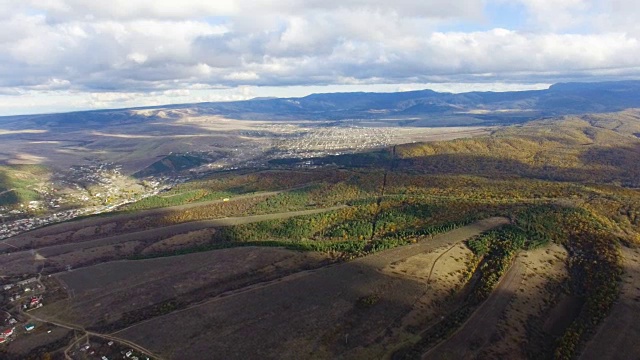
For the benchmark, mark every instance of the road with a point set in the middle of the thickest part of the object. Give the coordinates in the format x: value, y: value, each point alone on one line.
x: 324, y: 288
x: 617, y: 336
x: 171, y: 230
x: 321, y: 300
x: 105, y: 218
x: 476, y: 332
x: 90, y: 333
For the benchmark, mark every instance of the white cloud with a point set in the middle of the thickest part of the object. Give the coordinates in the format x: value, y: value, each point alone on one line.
x: 553, y: 15
x: 151, y: 48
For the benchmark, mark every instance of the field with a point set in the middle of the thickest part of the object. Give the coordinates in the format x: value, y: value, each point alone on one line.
x: 82, y: 253
x: 329, y: 305
x: 516, y: 244
x: 102, y: 294
x: 476, y: 332
x: 616, y: 338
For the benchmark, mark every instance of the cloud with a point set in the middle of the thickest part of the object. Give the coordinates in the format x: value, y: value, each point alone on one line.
x: 144, y: 47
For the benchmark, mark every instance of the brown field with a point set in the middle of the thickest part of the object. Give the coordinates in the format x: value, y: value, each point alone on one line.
x: 476, y: 332
x: 442, y: 271
x: 39, y: 337
x: 102, y: 293
x: 342, y: 310
x: 84, y: 253
x: 545, y: 269
x: 617, y: 337
x: 136, y: 143
x: 94, y: 227
x: 180, y: 241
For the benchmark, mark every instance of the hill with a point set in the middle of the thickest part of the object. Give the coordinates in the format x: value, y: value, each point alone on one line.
x: 457, y: 109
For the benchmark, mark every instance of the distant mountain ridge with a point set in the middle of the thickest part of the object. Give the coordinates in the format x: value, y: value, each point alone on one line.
x: 423, y: 105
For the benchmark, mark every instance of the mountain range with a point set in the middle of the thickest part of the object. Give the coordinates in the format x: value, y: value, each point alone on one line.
x: 422, y: 108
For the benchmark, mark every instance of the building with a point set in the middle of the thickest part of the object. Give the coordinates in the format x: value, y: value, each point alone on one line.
x: 26, y: 282
x: 3, y: 340
x: 34, y: 302
x: 7, y: 333
x: 29, y: 327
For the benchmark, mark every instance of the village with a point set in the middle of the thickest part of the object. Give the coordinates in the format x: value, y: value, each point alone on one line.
x: 20, y: 326
x: 323, y: 141
x: 84, y: 190
x: 101, y: 187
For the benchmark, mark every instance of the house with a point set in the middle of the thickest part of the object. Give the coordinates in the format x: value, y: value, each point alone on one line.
x: 29, y: 327
x: 8, y: 332
x: 26, y: 282
x: 3, y: 340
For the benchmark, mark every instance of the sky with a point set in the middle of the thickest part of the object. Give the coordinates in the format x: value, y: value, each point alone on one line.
x: 65, y: 55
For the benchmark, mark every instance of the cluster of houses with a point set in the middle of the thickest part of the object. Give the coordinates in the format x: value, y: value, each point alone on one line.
x: 17, y: 291
x: 21, y: 287
x: 26, y: 286
x: 6, y: 335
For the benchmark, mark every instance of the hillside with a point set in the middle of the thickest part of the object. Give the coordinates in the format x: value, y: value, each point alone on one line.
x: 451, y: 109
x: 518, y: 240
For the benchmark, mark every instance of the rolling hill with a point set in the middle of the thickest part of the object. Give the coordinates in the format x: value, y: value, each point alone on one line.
x: 458, y: 109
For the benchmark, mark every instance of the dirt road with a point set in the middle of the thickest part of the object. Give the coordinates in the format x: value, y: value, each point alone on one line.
x: 79, y: 224
x: 617, y: 337
x: 467, y: 342
x: 90, y: 333
x: 315, y: 314
x: 168, y: 231
x: 20, y: 262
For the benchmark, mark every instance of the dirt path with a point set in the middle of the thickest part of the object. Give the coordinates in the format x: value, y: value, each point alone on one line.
x: 617, y: 337
x: 168, y: 231
x: 7, y: 191
x: 79, y: 224
x: 90, y: 333
x: 307, y: 314
x: 476, y: 332
x: 383, y: 259
x: 260, y: 315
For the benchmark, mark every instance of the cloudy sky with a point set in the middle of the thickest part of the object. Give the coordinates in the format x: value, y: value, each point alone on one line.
x: 60, y: 55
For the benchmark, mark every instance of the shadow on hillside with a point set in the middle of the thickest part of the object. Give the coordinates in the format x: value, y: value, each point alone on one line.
x: 598, y: 165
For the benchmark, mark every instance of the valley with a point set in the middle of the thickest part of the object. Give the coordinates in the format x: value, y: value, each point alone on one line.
x: 315, y: 240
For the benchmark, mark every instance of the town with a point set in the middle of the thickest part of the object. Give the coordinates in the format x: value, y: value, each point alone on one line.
x: 99, y: 187
x: 20, y: 324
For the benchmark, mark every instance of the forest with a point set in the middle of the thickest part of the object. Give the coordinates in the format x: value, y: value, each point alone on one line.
x: 571, y: 181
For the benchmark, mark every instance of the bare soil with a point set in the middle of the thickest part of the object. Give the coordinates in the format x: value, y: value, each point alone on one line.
x: 104, y: 292
x: 468, y: 341
x: 544, y: 269
x: 617, y: 337
x: 333, y: 311
x: 121, y: 246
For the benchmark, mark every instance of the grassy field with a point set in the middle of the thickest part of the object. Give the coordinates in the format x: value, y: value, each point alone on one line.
x: 17, y: 183
x: 388, y: 255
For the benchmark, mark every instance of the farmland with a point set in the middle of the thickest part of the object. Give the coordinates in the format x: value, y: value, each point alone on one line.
x: 326, y: 301
x: 492, y: 246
